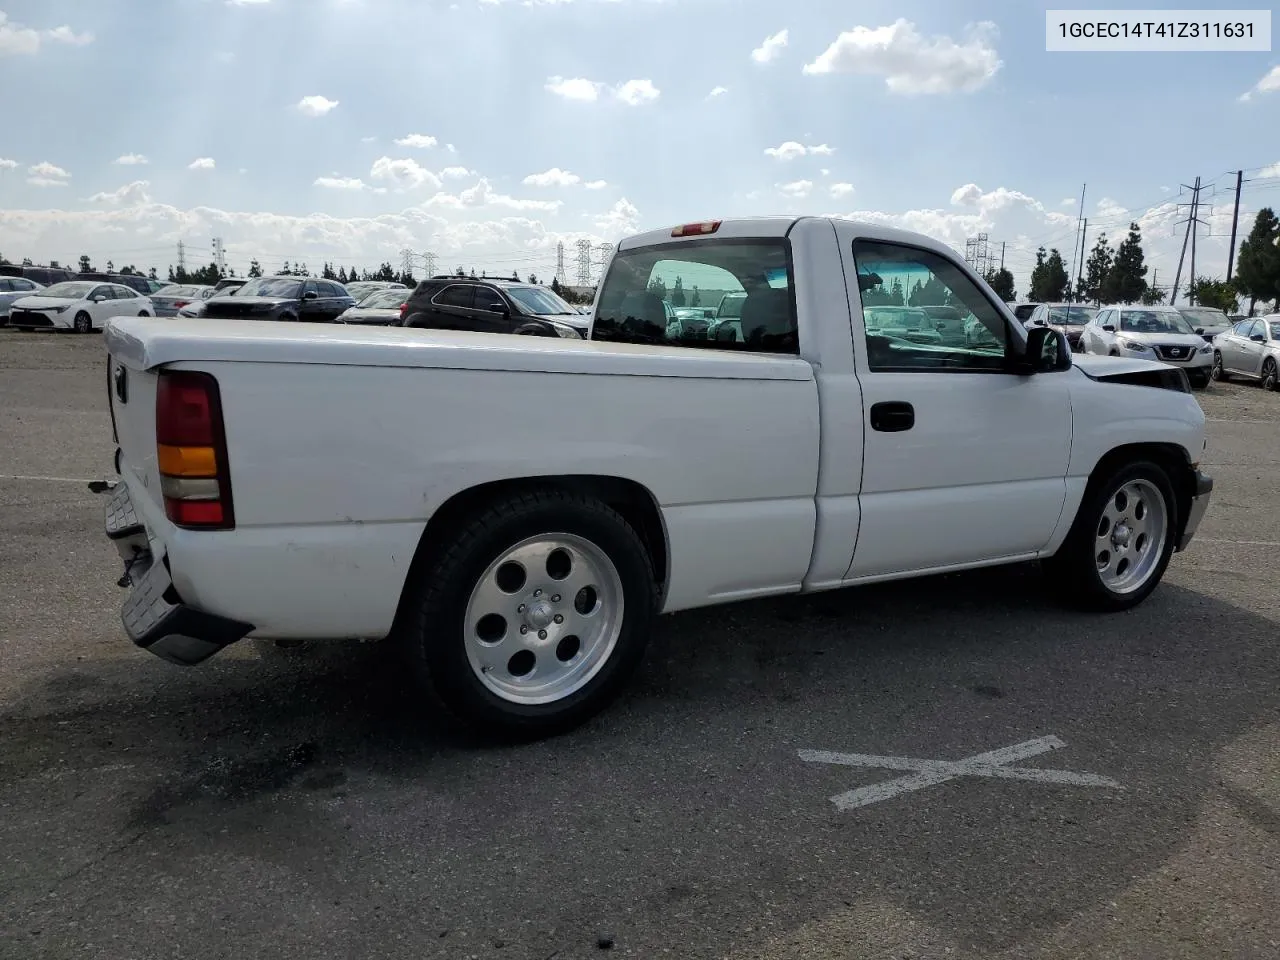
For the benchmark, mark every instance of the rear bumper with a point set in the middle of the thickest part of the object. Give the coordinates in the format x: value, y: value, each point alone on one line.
x: 1195, y: 513
x: 154, y: 616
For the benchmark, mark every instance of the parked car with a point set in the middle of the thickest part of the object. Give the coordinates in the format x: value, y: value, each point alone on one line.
x: 228, y: 282
x: 949, y: 322
x: 1151, y: 333
x: 283, y: 298
x: 131, y: 280
x: 1250, y: 349
x: 154, y: 285
x: 45, y: 276
x: 380, y: 308
x: 169, y: 300
x: 1069, y: 319
x: 1023, y: 309
x: 14, y: 288
x: 1207, y: 321
x: 196, y: 307
x: 491, y: 306
x: 512, y: 512
x: 903, y: 323
x: 79, y: 305
x: 359, y: 289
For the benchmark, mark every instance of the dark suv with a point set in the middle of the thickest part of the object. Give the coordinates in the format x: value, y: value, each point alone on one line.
x: 132, y: 280
x: 489, y: 305
x: 45, y: 276
x: 283, y: 298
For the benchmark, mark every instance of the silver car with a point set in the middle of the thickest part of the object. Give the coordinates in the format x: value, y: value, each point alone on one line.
x: 169, y: 300
x: 196, y: 307
x: 15, y: 288
x: 1149, y: 333
x: 1250, y: 349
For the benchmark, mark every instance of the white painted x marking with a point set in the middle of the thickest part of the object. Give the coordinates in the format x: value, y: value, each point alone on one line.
x: 930, y: 772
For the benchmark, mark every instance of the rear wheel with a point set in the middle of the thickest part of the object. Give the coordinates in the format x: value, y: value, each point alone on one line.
x: 1218, y: 372
x: 82, y: 323
x: 535, y: 616
x: 1269, y: 381
x: 1121, y: 541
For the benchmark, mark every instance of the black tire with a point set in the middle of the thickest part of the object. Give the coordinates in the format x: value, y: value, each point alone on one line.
x: 1218, y: 372
x: 1073, y: 571
x: 432, y: 628
x: 534, y: 330
x: 1270, y: 380
x: 144, y: 314
x: 83, y: 323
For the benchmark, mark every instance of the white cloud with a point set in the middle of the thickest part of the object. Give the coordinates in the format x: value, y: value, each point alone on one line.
x: 771, y: 49
x: 46, y: 182
x: 1266, y: 173
x: 911, y: 63
x: 368, y: 139
x: 405, y: 174
x: 482, y: 194
x: 8, y: 164
x: 130, y: 195
x: 453, y: 173
x: 574, y: 88
x: 1269, y: 83
x: 451, y: 148
x: 315, y: 106
x: 202, y: 163
x: 555, y: 177
x: 245, y: 3
x: 636, y: 92
x: 131, y: 160
x: 717, y: 92
x: 419, y: 141
x: 791, y: 149
x: 841, y: 189
x: 1108, y: 209
x: 622, y: 218
x: 46, y: 170
x: 797, y: 188
x: 19, y: 40
x: 339, y: 183
x: 1067, y: 202
x: 596, y: 184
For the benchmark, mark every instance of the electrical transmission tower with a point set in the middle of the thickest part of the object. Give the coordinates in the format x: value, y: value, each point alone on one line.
x: 560, y: 277
x: 182, y: 257
x: 977, y: 253
x: 1193, y: 220
x: 219, y: 257
x: 430, y: 259
x: 406, y: 261
x: 605, y: 251
x: 584, y: 263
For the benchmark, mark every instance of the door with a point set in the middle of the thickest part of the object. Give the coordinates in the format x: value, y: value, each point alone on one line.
x: 1251, y: 346
x: 451, y: 307
x: 312, y: 307
x: 331, y: 301
x: 964, y: 462
x: 1231, y: 346
x: 99, y: 313
x: 490, y: 320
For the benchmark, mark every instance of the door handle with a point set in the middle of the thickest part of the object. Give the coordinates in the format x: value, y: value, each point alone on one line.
x: 892, y: 416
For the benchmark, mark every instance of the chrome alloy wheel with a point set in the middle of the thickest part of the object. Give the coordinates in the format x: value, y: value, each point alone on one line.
x: 1130, y: 536
x: 544, y: 618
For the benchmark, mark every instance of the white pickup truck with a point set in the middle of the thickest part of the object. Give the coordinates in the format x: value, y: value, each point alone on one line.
x: 514, y: 511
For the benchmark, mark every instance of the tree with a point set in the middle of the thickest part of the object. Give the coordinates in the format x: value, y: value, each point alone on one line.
x: 285, y: 268
x: 172, y: 275
x: 1096, y: 269
x: 1126, y: 279
x: 677, y: 294
x: 555, y: 286
x: 1153, y: 296
x: 255, y: 268
x: 151, y: 274
x: 658, y: 287
x: 1001, y: 281
x: 896, y: 294
x: 1206, y: 292
x: 933, y: 293
x: 111, y: 267
x: 86, y: 266
x: 326, y: 272
x: 533, y: 278
x: 1258, y: 265
x: 1049, y: 280
x: 26, y: 262
x: 696, y: 299
x: 515, y: 276
x: 2, y: 259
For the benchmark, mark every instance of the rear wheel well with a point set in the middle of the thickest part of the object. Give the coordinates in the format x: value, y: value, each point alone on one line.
x: 1173, y: 458
x: 631, y: 500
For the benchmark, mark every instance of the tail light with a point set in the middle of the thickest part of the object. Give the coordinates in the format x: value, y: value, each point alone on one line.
x: 180, y: 303
x: 191, y: 447
x: 404, y: 308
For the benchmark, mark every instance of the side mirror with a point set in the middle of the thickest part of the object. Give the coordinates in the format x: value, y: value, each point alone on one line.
x: 1047, y: 352
x: 312, y: 295
x: 1109, y: 327
x: 1200, y: 330
x: 99, y: 298
x: 1258, y: 338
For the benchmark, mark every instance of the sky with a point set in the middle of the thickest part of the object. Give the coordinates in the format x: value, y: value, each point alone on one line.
x: 487, y: 132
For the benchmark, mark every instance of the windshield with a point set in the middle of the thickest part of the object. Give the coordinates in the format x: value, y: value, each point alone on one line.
x: 282, y: 287
x: 1153, y: 321
x: 1072, y: 315
x: 385, y: 300
x: 1204, y: 316
x: 538, y: 300
x: 72, y: 290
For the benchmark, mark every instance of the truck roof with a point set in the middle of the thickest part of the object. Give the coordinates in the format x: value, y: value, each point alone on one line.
x: 747, y: 227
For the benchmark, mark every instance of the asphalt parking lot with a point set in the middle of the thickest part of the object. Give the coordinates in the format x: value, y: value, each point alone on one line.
x: 291, y: 803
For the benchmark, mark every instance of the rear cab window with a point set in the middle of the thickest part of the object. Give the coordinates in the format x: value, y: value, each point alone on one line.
x: 644, y: 285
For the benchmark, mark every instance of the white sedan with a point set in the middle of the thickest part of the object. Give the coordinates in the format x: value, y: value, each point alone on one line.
x: 1149, y: 333
x: 79, y: 305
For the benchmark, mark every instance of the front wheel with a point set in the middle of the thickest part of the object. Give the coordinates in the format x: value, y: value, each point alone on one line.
x: 82, y: 323
x: 1269, y: 381
x: 1218, y: 372
x: 1121, y: 541
x: 535, y: 616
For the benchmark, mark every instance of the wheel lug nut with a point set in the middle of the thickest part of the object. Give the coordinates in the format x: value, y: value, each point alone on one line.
x: 537, y: 593
x: 555, y: 598
x: 520, y: 609
x: 524, y: 629
x: 559, y: 618
x: 542, y: 634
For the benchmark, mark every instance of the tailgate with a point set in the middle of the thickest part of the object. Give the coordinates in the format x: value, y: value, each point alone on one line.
x: 132, y: 393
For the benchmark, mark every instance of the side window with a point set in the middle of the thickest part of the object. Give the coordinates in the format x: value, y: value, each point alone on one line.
x: 1252, y: 327
x: 329, y: 290
x: 124, y: 293
x: 747, y: 283
x: 1105, y: 317
x: 455, y: 295
x: 486, y: 297
x: 6, y: 285
x: 100, y: 292
x: 309, y: 286
x: 895, y: 283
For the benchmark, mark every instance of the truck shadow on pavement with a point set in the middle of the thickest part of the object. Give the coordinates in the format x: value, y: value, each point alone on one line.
x: 318, y: 760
